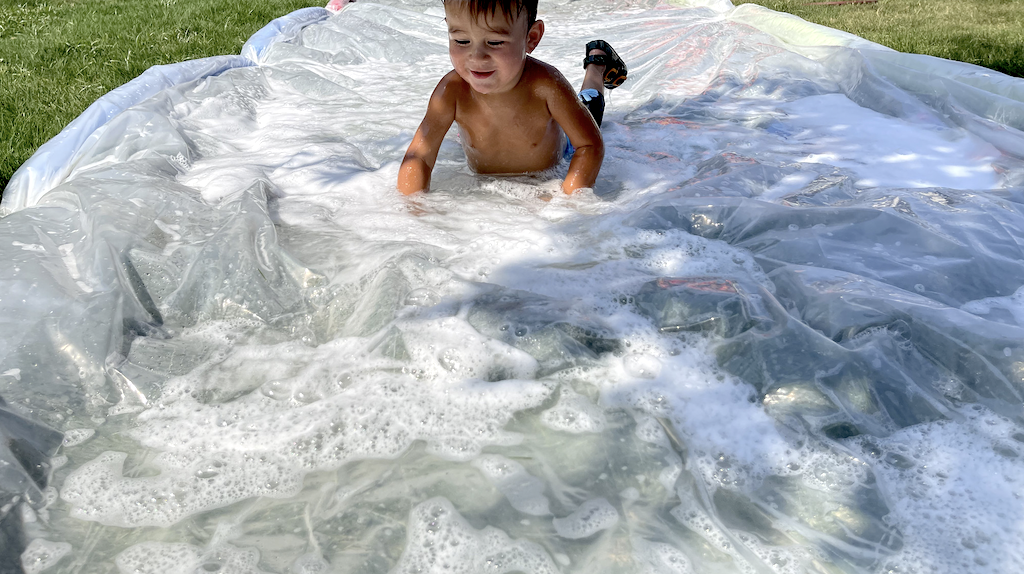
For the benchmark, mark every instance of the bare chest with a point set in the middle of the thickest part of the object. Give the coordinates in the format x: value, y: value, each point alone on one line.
x: 513, y: 137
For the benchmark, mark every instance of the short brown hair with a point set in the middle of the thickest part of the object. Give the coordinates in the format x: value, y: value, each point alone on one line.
x: 512, y: 8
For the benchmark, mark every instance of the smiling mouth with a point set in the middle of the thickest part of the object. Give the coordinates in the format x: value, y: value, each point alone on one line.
x: 482, y: 75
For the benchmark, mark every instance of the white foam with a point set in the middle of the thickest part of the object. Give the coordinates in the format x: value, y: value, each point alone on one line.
x: 780, y: 558
x: 440, y: 540
x: 1003, y: 309
x: 524, y: 491
x: 159, y: 558
x: 174, y: 558
x: 691, y: 515
x: 660, y: 558
x: 954, y: 491
x: 574, y: 413
x: 340, y: 406
x: 41, y: 555
x: 642, y: 366
x: 75, y: 437
x: 734, y: 441
x: 591, y: 517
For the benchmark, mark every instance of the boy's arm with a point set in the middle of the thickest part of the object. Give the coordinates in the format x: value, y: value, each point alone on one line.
x: 581, y: 129
x: 414, y: 174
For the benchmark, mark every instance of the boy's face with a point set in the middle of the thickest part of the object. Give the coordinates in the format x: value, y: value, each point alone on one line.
x: 489, y: 51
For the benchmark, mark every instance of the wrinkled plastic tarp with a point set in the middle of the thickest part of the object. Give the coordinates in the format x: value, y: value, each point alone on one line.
x: 782, y: 334
x: 55, y: 160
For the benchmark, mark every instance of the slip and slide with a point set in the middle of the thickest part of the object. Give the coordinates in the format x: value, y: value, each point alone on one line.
x: 784, y: 331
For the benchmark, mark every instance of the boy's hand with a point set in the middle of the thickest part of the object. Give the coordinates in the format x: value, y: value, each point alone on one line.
x: 418, y: 163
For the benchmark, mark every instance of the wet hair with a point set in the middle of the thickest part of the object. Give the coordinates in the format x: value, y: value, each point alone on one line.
x: 513, y: 8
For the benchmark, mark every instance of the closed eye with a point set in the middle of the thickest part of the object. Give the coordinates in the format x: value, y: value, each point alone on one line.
x: 462, y: 42
x: 495, y: 43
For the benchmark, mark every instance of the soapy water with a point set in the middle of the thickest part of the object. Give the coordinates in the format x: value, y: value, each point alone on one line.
x: 781, y: 335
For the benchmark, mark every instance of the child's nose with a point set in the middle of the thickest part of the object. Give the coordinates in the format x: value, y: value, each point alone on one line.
x: 479, y: 52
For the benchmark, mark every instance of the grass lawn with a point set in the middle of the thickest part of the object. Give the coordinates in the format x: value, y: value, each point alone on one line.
x: 988, y: 33
x: 58, y: 56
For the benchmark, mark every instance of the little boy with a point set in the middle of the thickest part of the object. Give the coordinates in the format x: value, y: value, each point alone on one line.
x: 511, y: 109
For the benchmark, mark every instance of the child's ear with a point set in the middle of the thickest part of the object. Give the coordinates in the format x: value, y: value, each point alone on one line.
x: 534, y: 35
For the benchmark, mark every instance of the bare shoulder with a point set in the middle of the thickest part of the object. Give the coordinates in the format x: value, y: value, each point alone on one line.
x: 450, y: 88
x: 452, y: 78
x: 546, y: 81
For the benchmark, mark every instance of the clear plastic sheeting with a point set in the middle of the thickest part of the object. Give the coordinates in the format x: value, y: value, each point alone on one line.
x: 56, y: 159
x: 783, y: 334
x: 26, y: 461
x: 283, y: 29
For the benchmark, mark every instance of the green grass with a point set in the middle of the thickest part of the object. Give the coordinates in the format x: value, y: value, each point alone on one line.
x: 59, y: 56
x: 988, y: 33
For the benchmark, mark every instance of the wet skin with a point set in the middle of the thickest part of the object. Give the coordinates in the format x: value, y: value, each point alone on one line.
x: 511, y: 109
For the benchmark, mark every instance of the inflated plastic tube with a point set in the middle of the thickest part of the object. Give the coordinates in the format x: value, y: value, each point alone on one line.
x: 979, y: 90
x: 796, y: 32
x: 806, y: 38
x: 283, y: 29
x: 978, y: 99
x: 55, y: 159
